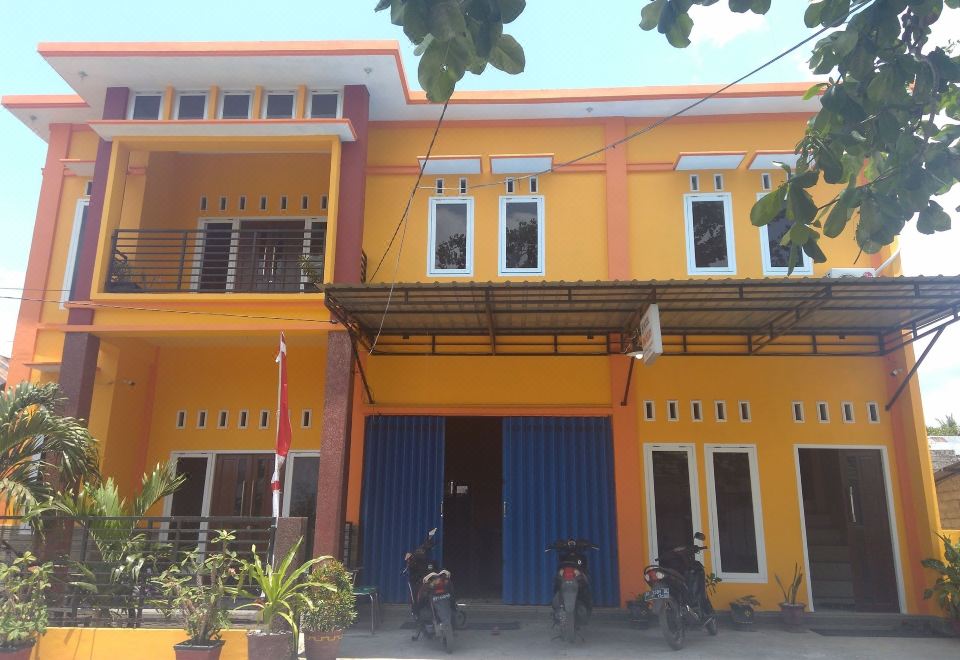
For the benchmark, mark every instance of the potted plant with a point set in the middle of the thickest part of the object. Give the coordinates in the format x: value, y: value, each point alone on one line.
x: 947, y: 587
x: 742, y: 611
x: 23, y: 605
x: 790, y: 610
x: 329, y: 610
x: 279, y: 593
x: 121, y: 275
x: 195, y: 589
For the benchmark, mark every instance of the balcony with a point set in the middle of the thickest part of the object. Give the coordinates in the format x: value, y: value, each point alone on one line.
x: 230, y: 256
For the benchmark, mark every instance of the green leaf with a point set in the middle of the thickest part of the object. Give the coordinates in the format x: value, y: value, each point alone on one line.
x: 933, y: 219
x: 800, y: 205
x: 508, y: 55
x: 383, y: 4
x: 510, y: 9
x: 650, y: 14
x: 678, y: 34
x: 844, y: 42
x: 811, y: 17
x: 814, y: 90
x: 837, y: 219
x: 435, y: 79
x: 812, y: 249
x: 445, y: 19
x: 415, y: 23
x: 767, y: 207
x: 834, y: 12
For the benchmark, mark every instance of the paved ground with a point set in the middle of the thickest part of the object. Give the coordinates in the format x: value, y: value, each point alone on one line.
x: 611, y: 637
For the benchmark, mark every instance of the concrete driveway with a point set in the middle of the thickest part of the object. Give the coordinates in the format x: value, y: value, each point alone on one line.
x: 611, y: 636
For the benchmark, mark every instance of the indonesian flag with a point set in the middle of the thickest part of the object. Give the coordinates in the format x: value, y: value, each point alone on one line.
x: 284, y: 432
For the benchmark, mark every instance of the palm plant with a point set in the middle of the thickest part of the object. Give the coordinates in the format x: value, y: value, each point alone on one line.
x: 36, y: 442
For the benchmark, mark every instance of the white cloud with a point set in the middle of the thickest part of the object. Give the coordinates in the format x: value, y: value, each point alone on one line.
x: 718, y: 26
x: 10, y: 281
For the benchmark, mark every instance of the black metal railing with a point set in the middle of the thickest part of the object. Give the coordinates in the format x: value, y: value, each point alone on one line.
x: 103, y: 566
x: 276, y: 256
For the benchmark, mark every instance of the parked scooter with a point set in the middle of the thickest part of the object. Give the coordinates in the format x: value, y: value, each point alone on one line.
x: 432, y: 602
x: 572, y: 597
x: 678, y: 592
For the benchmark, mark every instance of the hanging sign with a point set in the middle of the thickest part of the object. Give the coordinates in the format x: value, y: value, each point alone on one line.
x: 650, y: 338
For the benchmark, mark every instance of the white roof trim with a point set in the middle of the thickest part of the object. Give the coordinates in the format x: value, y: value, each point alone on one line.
x: 451, y: 165
x: 521, y: 164
x: 768, y: 160
x: 708, y: 161
x: 224, y: 128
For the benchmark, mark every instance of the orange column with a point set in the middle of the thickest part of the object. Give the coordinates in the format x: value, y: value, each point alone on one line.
x: 631, y: 550
x: 38, y: 264
x: 618, y: 214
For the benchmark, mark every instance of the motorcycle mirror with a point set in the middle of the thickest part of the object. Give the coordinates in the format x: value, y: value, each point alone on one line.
x: 407, y: 556
x: 432, y: 532
x: 699, y: 536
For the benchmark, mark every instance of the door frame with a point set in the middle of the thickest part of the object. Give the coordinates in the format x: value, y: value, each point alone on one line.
x: 891, y: 515
x: 691, y: 450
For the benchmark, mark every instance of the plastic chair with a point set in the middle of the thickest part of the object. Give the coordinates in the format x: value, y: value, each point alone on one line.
x: 372, y: 594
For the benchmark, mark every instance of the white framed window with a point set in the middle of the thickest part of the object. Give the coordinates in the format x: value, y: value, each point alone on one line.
x: 450, y: 240
x: 798, y: 415
x: 673, y: 411
x: 846, y: 411
x: 264, y: 419
x: 775, y: 257
x: 718, y: 182
x: 737, y: 545
x: 696, y: 411
x: 201, y: 419
x: 279, y: 104
x: 243, y: 419
x: 709, y: 222
x: 744, y: 408
x: 649, y: 411
x: 190, y: 105
x: 720, y: 411
x: 694, y: 183
x: 223, y: 419
x: 873, y: 412
x: 823, y: 412
x: 145, y: 105
x: 521, y: 235
x: 181, y: 419
x: 70, y: 268
x: 534, y: 185
x: 325, y: 105
x: 235, y: 105
x: 673, y: 499
x: 306, y: 418
x: 766, y: 183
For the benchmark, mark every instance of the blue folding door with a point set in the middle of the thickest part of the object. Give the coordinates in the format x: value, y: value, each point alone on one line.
x: 557, y: 482
x: 402, y: 495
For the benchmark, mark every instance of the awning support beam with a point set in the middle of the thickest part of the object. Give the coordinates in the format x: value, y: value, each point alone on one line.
x: 914, y: 368
x: 626, y: 388
x: 363, y: 375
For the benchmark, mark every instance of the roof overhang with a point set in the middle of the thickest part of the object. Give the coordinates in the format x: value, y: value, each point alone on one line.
x: 450, y: 164
x: 38, y: 112
x: 176, y: 128
x: 709, y: 161
x: 775, y: 317
x: 771, y: 160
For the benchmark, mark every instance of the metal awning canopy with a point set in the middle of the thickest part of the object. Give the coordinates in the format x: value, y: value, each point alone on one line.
x: 775, y: 316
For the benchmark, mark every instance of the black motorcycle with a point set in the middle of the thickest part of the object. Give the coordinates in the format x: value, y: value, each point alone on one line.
x: 433, y: 604
x: 572, y: 598
x: 678, y: 592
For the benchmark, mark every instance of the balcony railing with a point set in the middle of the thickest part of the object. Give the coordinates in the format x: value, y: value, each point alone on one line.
x: 277, y: 256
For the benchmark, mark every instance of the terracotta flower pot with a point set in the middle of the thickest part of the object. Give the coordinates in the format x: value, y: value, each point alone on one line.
x: 20, y: 652
x: 792, y: 615
x: 188, y: 651
x: 322, y: 645
x: 261, y: 645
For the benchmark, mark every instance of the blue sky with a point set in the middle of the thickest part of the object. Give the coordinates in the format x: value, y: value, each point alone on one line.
x: 568, y: 43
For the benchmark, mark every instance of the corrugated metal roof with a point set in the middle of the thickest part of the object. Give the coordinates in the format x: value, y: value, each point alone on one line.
x: 748, y: 313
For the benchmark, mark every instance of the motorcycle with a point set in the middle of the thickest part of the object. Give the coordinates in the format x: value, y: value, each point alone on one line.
x: 678, y: 593
x: 432, y: 601
x: 572, y: 598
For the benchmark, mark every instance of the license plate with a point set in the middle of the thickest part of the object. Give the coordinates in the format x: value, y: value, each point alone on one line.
x: 657, y: 593
x: 441, y: 597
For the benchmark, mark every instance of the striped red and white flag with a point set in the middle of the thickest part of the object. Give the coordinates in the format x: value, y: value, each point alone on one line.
x: 284, y: 431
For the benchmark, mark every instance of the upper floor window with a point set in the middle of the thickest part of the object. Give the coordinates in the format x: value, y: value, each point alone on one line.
x: 324, y: 105
x: 235, y: 105
x: 279, y: 105
x: 776, y: 257
x: 450, y: 242
x: 709, y: 221
x: 191, y: 105
x: 521, y: 235
x: 146, y: 105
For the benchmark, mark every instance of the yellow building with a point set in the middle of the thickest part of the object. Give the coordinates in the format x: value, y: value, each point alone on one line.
x: 473, y: 367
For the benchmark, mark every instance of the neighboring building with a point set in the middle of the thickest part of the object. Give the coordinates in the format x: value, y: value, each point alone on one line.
x: 945, y: 457
x: 186, y: 184
x: 4, y: 366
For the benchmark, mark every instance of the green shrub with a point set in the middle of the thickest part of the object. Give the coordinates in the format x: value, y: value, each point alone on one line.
x: 23, y: 605
x: 331, y: 601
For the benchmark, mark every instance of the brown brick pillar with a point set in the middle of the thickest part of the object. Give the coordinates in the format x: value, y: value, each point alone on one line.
x: 77, y: 372
x: 289, y: 530
x: 334, y: 446
x: 353, y: 165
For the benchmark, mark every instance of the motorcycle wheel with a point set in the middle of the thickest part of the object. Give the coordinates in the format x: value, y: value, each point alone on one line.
x: 446, y: 634
x: 460, y: 619
x: 567, y: 628
x: 712, y: 626
x: 671, y: 624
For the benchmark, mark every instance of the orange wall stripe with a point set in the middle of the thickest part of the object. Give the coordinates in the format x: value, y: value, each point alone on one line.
x: 618, y: 214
